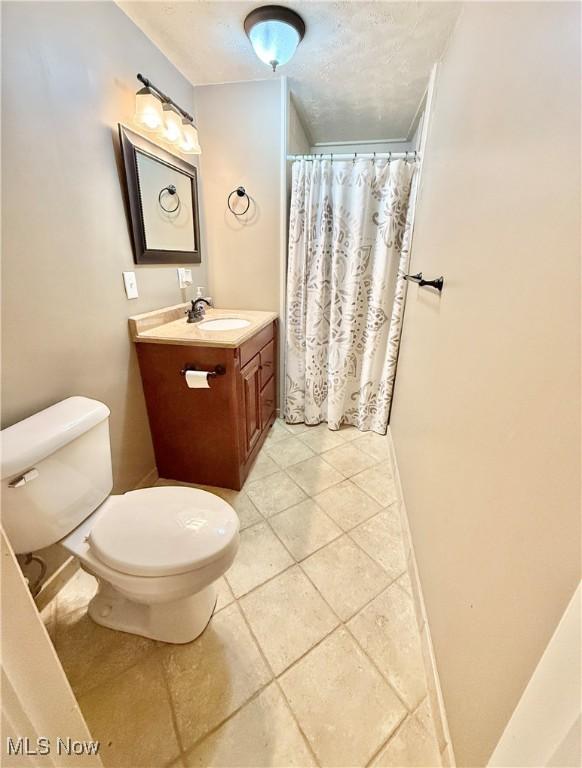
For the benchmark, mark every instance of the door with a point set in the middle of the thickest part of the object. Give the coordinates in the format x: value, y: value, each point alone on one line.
x: 251, y: 381
x: 37, y: 701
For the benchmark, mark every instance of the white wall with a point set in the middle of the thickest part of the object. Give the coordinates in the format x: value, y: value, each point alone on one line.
x: 242, y: 132
x: 298, y: 141
x: 486, y: 413
x: 68, y: 78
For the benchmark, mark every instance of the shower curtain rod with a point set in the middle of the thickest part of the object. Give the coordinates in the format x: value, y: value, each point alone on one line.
x: 358, y: 156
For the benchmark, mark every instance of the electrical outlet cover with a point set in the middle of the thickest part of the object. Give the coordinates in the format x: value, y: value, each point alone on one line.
x: 184, y: 277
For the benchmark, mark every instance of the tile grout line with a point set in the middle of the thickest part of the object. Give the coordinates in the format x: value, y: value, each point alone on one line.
x: 379, y: 671
x: 253, y: 697
x: 410, y: 714
x: 211, y: 731
x: 384, y: 744
x: 289, y: 707
x: 276, y: 681
x: 350, y: 479
x: 109, y: 680
x: 340, y: 620
x: 291, y: 555
x: 173, y: 715
x: 415, y: 714
x: 343, y: 623
x: 376, y: 463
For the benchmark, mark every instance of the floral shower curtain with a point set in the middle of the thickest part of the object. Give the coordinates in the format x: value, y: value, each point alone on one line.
x: 349, y: 235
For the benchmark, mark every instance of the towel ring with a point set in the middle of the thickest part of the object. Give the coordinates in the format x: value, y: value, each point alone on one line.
x: 171, y: 190
x: 239, y: 192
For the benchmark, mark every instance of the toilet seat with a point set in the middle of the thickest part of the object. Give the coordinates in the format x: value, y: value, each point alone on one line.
x: 163, y: 531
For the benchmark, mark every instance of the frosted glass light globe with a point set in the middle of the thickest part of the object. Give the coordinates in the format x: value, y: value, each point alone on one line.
x: 148, y: 110
x: 172, y: 124
x: 190, y: 144
x: 274, y: 42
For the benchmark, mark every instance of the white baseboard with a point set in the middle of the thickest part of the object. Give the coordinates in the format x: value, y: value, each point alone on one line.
x: 432, y: 676
x: 56, y: 582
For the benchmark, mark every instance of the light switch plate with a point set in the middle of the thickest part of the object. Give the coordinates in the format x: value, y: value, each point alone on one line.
x: 130, y: 282
x: 184, y: 277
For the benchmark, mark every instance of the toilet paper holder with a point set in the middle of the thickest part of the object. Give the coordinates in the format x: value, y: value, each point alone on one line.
x: 219, y: 370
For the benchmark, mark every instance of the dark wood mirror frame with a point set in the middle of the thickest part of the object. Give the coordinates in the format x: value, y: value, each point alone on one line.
x: 130, y: 143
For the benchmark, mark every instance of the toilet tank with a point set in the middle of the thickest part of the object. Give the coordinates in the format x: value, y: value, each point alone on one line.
x: 56, y: 470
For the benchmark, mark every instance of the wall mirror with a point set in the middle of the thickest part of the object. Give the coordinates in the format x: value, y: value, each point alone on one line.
x: 162, y: 200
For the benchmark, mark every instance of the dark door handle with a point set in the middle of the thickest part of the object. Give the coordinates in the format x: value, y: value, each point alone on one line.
x: 418, y: 278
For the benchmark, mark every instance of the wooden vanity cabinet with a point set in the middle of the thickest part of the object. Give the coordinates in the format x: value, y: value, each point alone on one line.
x: 210, y: 436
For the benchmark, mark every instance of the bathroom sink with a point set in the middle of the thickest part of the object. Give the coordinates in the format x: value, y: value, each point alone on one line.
x: 223, y: 324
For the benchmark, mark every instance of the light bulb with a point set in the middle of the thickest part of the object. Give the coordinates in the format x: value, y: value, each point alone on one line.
x: 274, y: 42
x: 172, y: 124
x: 148, y: 110
x: 189, y: 144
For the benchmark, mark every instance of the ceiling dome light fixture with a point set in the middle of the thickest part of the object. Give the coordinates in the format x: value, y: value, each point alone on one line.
x: 274, y: 32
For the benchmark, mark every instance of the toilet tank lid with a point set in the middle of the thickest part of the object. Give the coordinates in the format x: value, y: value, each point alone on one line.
x: 29, y: 441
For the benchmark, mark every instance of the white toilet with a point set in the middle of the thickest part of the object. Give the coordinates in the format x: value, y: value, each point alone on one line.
x: 156, y: 552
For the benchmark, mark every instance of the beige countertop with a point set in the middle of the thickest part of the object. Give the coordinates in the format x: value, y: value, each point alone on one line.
x: 169, y: 326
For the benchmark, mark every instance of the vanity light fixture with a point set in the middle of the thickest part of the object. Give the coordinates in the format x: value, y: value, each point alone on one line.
x: 156, y: 111
x: 274, y: 32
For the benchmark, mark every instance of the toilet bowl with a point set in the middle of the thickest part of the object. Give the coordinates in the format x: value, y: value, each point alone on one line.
x: 156, y: 553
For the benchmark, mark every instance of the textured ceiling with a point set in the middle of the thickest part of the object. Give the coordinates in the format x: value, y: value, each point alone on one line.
x: 359, y: 74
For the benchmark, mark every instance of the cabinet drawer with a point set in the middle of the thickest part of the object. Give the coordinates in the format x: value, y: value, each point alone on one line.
x: 267, y: 402
x: 267, y: 357
x: 254, y: 345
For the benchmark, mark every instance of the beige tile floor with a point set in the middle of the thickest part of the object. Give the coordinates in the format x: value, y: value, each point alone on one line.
x: 313, y: 655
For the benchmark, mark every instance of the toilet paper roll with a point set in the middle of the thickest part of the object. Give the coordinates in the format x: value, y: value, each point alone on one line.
x: 197, y: 379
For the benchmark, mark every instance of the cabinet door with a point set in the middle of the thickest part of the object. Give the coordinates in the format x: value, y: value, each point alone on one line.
x: 251, y: 381
x: 268, y: 401
x: 267, y: 362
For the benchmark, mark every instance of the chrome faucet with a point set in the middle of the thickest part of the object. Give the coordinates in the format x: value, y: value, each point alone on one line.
x: 196, y: 314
